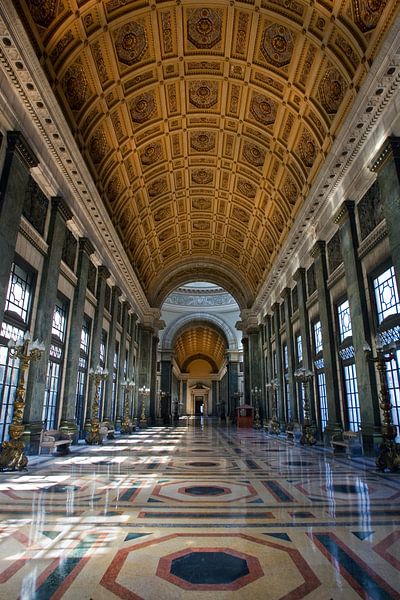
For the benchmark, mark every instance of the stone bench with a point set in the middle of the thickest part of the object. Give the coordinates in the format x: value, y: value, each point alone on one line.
x: 107, y: 430
x: 54, y: 439
x: 349, y: 441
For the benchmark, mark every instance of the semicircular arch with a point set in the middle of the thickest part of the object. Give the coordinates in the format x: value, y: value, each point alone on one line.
x: 175, y: 328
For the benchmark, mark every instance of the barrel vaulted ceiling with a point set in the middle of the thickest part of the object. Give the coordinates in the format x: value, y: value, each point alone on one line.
x: 205, y: 124
x: 200, y: 342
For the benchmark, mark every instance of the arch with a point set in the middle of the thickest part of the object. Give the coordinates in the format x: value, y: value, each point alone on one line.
x: 201, y: 356
x: 177, y: 326
x: 167, y: 281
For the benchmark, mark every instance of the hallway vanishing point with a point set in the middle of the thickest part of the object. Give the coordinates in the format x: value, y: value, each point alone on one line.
x: 199, y: 511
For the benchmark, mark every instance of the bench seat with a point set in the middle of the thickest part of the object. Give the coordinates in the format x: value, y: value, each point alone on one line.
x: 54, y: 440
x: 350, y: 441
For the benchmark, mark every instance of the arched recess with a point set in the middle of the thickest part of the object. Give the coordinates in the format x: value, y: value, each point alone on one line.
x: 167, y: 282
x: 175, y: 328
x: 190, y: 359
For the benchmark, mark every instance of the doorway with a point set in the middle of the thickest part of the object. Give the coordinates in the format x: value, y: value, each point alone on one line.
x: 198, y: 406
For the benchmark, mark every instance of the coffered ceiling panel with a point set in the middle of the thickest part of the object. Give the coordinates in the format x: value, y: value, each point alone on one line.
x: 200, y: 341
x: 205, y: 125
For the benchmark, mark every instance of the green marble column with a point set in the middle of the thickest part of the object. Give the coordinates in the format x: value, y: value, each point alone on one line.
x: 153, y: 380
x: 109, y: 410
x: 246, y: 369
x: 355, y: 285
x: 19, y: 159
x: 387, y: 166
x: 36, y: 386
x: 144, y: 370
x: 328, y: 341
x: 77, y: 312
x: 121, y: 375
x: 280, y: 398
x: 300, y: 278
x: 102, y: 275
x: 269, y: 368
x: 287, y: 298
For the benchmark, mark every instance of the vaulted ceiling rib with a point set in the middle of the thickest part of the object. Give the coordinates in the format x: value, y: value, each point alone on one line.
x: 204, y: 125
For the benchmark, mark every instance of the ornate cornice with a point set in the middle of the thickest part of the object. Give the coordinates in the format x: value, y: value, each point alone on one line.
x: 373, y: 239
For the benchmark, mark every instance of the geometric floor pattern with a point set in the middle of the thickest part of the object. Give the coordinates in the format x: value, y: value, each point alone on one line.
x: 199, y: 512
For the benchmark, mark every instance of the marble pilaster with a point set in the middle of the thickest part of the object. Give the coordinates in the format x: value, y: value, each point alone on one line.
x: 328, y: 340
x: 109, y: 409
x: 121, y: 366
x: 14, y: 179
x: 366, y: 379
x: 280, y: 398
x: 76, y: 322
x: 102, y: 275
x: 387, y: 166
x: 36, y: 386
x: 287, y: 299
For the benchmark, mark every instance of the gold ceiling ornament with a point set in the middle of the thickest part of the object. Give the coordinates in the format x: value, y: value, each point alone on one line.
x: 221, y: 114
x: 199, y: 341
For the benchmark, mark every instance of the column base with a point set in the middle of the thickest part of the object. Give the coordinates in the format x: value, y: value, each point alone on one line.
x: 31, y: 437
x: 70, y: 428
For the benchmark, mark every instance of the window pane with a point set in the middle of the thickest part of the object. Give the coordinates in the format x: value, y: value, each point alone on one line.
x: 299, y: 349
x: 344, y: 320
x: 19, y: 293
x: 386, y: 297
x: 393, y: 382
x: 352, y: 399
x: 318, y: 337
x: 322, y: 400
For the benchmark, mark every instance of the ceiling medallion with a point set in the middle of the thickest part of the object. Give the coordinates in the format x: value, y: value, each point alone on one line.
x: 277, y: 45
x: 98, y: 146
x: 43, y: 11
x: 263, y: 109
x: 202, y: 141
x: 157, y: 187
x: 204, y: 27
x: 277, y: 220
x: 201, y: 204
x: 113, y: 188
x: 151, y: 154
x: 246, y: 188
x: 200, y: 243
x: 289, y: 190
x: 307, y: 149
x: 332, y: 90
x: 162, y: 213
x: 143, y: 107
x: 241, y: 215
x: 203, y: 94
x: 367, y: 13
x: 202, y: 176
x: 75, y: 86
x: 254, y: 154
x: 131, y: 43
x: 201, y: 225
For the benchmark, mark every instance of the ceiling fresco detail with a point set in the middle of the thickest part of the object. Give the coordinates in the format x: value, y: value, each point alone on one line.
x: 204, y: 126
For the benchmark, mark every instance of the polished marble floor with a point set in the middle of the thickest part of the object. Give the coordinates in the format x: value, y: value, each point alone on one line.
x: 199, y: 512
